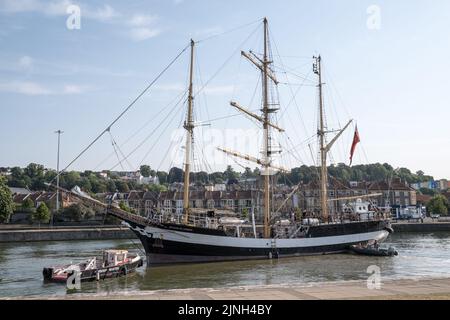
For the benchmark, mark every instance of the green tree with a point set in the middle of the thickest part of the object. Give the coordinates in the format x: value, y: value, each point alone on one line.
x: 438, y: 205
x: 42, y: 214
x: 27, y: 205
x: 77, y: 212
x: 111, y: 186
x: 245, y: 213
x: 426, y: 191
x: 34, y: 170
x: 216, y: 177
x: 70, y: 179
x: 162, y: 176
x: 122, y: 186
x: 145, y: 170
x: 200, y: 177
x: 156, y: 188
x: 6, y: 201
x: 124, y: 207
x: 175, y: 175
x: 248, y: 173
x: 18, y: 178
x: 230, y: 174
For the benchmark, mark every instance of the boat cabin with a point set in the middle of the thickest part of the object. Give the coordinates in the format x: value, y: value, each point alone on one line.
x: 114, y: 257
x: 363, y: 209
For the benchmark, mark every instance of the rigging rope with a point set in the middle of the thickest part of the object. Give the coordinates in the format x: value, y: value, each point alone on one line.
x: 150, y: 120
x: 229, y: 31
x: 152, y: 132
x: 124, y: 111
x: 115, y: 150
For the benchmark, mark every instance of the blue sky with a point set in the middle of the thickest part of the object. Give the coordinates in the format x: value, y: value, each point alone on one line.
x: 393, y: 80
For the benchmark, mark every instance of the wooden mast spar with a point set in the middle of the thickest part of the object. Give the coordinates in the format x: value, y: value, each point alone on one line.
x: 324, y: 148
x: 266, y: 151
x: 189, y: 126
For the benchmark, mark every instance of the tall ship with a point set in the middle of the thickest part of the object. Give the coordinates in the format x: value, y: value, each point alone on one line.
x: 208, y: 234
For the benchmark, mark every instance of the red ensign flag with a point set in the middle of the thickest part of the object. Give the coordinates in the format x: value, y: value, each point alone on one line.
x: 355, y: 142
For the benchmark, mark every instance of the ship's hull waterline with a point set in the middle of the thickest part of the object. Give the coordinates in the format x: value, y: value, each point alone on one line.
x: 167, y: 244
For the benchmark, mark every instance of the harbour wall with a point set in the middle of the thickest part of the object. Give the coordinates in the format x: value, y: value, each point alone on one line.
x: 64, y: 233
x: 421, y: 227
x: 121, y: 232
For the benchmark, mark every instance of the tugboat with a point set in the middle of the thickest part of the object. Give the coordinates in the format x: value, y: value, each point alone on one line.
x: 114, y: 263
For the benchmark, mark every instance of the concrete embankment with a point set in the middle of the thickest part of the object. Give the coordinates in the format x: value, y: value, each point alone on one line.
x: 12, y: 234
x: 66, y: 233
x: 424, y: 289
x: 421, y: 227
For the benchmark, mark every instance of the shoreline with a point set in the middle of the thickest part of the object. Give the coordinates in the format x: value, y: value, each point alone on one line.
x: 65, y: 234
x: 112, y: 232
x: 399, y: 289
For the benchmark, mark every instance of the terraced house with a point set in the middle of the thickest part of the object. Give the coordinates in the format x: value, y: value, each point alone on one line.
x: 394, y: 193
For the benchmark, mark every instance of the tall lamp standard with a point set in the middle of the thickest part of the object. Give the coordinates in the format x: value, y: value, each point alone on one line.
x: 59, y: 132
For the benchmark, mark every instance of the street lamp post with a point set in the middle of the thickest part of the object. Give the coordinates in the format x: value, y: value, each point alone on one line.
x: 59, y: 132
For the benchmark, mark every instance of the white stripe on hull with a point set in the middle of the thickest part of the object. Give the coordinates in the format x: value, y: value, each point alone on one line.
x: 234, y: 242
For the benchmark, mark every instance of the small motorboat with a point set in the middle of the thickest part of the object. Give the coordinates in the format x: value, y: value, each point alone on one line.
x: 113, y: 263
x: 371, y: 250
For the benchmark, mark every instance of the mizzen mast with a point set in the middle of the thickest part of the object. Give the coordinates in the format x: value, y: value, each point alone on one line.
x: 324, y: 147
x: 189, y: 126
x: 321, y: 133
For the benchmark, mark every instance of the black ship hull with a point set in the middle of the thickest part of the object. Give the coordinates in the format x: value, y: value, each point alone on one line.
x: 169, y: 243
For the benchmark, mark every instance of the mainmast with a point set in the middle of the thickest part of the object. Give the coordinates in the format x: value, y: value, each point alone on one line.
x: 189, y: 126
x: 263, y: 64
x: 266, y: 151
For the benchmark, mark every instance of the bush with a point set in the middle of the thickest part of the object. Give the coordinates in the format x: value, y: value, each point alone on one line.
x: 438, y: 205
x: 6, y: 201
x: 42, y: 214
x: 78, y: 212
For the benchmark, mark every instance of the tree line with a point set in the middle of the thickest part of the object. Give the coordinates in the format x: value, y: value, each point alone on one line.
x: 34, y: 176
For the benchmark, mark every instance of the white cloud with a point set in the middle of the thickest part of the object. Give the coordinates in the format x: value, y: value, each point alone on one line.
x: 73, y: 89
x: 139, y: 34
x: 49, y: 8
x: 13, y: 6
x: 34, y: 89
x: 27, y: 88
x: 58, y: 8
x: 26, y: 62
x: 142, y: 20
x: 106, y: 13
x: 140, y: 26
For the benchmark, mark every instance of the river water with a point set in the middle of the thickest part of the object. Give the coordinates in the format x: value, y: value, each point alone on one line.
x: 420, y: 255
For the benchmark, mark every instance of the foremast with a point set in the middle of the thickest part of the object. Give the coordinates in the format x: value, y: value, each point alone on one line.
x: 189, y: 126
x: 324, y: 147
